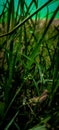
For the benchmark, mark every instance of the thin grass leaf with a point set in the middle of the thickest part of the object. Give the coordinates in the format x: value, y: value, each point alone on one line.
x: 33, y: 30
x: 41, y: 74
x: 22, y: 8
x: 37, y: 47
x: 17, y: 126
x: 11, y: 121
x: 9, y: 80
x: 26, y: 19
x: 35, y: 83
x: 36, y: 5
x: 2, y: 108
x: 28, y: 7
x: 17, y: 11
x: 25, y: 39
x: 9, y: 16
x: 12, y: 13
x: 3, y: 11
x: 39, y: 127
x: 13, y: 99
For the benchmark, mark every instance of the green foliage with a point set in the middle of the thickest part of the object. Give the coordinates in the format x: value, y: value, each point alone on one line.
x: 38, y: 128
x: 29, y: 73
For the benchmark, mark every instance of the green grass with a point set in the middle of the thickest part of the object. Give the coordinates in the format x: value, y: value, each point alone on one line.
x: 29, y: 70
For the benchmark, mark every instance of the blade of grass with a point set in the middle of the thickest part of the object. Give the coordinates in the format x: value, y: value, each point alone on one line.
x: 9, y: 16
x: 36, y: 49
x: 17, y: 11
x: 28, y: 7
x: 12, y: 13
x: 12, y: 120
x: 3, y: 11
x: 20, y: 24
x: 13, y: 99
x: 17, y: 126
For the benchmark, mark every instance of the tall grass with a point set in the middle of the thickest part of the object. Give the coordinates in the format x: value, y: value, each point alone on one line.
x: 29, y: 73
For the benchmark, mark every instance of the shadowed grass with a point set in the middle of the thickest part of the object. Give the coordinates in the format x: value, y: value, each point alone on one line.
x: 29, y: 69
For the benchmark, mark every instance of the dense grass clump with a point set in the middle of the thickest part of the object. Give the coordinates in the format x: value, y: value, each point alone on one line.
x: 29, y: 69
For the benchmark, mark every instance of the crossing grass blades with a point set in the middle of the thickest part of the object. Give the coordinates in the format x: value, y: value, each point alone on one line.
x: 29, y: 68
